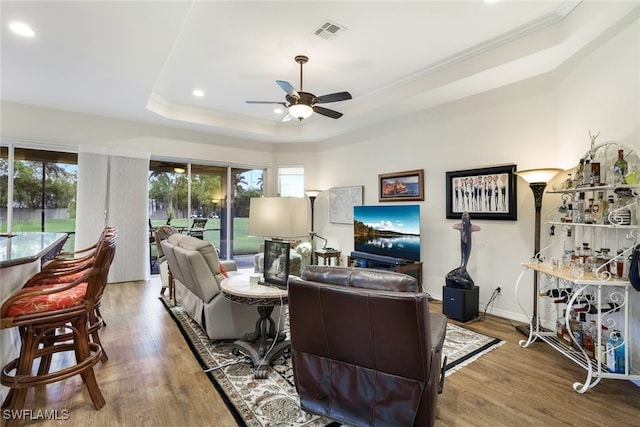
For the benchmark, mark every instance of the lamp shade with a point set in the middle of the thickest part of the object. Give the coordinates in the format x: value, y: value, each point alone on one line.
x: 283, y: 217
x: 538, y: 175
x: 300, y: 111
x: 312, y: 193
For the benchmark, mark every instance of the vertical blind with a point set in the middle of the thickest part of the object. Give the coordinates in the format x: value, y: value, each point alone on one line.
x: 113, y: 190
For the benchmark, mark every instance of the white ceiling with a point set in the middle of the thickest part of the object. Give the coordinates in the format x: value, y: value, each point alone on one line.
x: 141, y: 60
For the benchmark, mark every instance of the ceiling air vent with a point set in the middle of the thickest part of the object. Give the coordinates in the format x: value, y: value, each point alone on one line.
x: 329, y: 29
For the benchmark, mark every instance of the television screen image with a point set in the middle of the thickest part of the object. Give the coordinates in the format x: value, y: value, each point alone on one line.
x: 387, y: 230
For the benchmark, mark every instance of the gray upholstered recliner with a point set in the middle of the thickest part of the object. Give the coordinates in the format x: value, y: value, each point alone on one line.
x: 162, y: 233
x: 364, y: 347
x: 195, y: 267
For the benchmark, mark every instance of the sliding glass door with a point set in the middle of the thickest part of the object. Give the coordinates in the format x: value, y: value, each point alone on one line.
x: 180, y: 193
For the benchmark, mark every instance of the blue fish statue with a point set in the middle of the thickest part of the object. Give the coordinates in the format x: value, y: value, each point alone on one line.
x: 459, y: 277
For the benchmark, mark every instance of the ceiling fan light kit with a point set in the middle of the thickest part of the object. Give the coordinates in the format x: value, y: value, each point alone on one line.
x: 302, y: 105
x: 300, y: 111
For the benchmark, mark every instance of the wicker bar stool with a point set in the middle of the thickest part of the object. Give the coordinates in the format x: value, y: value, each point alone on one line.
x: 65, y: 269
x: 40, y: 311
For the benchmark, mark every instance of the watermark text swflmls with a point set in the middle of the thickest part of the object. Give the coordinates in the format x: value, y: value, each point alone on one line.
x: 36, y: 414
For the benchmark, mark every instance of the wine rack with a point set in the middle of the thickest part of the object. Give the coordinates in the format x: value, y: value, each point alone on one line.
x: 605, y: 295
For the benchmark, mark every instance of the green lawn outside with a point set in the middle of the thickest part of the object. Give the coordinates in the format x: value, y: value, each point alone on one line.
x: 242, y: 243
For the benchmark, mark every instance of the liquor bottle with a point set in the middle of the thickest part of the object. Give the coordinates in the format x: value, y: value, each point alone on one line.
x: 600, y: 207
x: 569, y: 216
x: 619, y: 261
x: 576, y: 330
x: 591, y: 212
x: 595, y: 174
x: 586, y: 174
x: 620, y: 168
x: 615, y: 353
x: 588, y: 341
x: 567, y: 249
x: 579, y: 174
x: 579, y: 208
x: 568, y: 183
x: 604, y: 259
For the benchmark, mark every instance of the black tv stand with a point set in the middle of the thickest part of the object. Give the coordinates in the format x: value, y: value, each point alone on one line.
x: 379, y: 262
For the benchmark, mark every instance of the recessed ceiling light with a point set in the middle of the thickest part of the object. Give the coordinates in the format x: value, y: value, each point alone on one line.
x: 278, y: 110
x: 22, y: 29
x: 199, y: 93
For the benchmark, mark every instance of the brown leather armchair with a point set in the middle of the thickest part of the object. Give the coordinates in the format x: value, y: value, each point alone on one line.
x: 364, y: 347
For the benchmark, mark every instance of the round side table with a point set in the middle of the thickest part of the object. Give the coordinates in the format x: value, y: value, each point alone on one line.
x: 265, y: 342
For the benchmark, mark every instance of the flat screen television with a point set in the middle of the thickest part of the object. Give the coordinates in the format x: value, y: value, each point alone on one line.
x: 387, y: 230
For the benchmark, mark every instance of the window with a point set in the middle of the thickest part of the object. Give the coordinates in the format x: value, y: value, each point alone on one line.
x: 291, y: 181
x: 44, y: 191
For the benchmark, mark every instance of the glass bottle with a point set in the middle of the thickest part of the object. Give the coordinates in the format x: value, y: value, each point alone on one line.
x: 567, y: 248
x: 569, y: 216
x: 588, y: 341
x: 620, y: 169
x: 568, y: 182
x: 600, y: 208
x: 587, y: 258
x: 615, y: 353
x: 579, y: 173
x: 578, y: 209
x: 586, y: 174
x: 619, y: 264
x: 590, y: 213
x: 595, y: 174
x: 604, y: 259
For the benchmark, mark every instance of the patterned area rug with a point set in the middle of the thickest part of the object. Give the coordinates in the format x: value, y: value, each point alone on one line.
x: 273, y: 401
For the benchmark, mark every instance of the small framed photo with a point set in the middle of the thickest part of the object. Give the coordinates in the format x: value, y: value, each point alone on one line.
x: 486, y: 193
x: 401, y: 186
x: 276, y: 262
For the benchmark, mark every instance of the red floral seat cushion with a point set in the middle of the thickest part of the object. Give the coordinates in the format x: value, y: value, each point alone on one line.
x: 50, y: 302
x: 53, y: 280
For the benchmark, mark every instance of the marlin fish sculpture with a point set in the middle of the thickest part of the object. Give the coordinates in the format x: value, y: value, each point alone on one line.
x: 459, y: 277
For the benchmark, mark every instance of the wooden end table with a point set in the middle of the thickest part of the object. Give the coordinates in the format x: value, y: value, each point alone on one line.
x: 326, y: 255
x: 265, y: 342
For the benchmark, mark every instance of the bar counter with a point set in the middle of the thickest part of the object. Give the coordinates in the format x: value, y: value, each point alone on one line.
x: 20, y: 257
x: 24, y: 248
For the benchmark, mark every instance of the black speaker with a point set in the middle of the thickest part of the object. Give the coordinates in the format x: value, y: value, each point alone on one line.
x: 460, y: 304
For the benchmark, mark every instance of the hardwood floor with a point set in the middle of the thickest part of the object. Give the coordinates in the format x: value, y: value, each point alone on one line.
x: 152, y: 379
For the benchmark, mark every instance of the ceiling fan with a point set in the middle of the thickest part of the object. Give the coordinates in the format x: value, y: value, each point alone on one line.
x: 302, y: 104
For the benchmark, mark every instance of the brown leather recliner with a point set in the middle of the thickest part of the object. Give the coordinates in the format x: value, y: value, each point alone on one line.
x: 364, y: 347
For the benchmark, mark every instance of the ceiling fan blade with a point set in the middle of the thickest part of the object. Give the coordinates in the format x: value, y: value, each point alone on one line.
x: 286, y: 86
x: 333, y: 97
x: 284, y: 104
x: 327, y: 112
